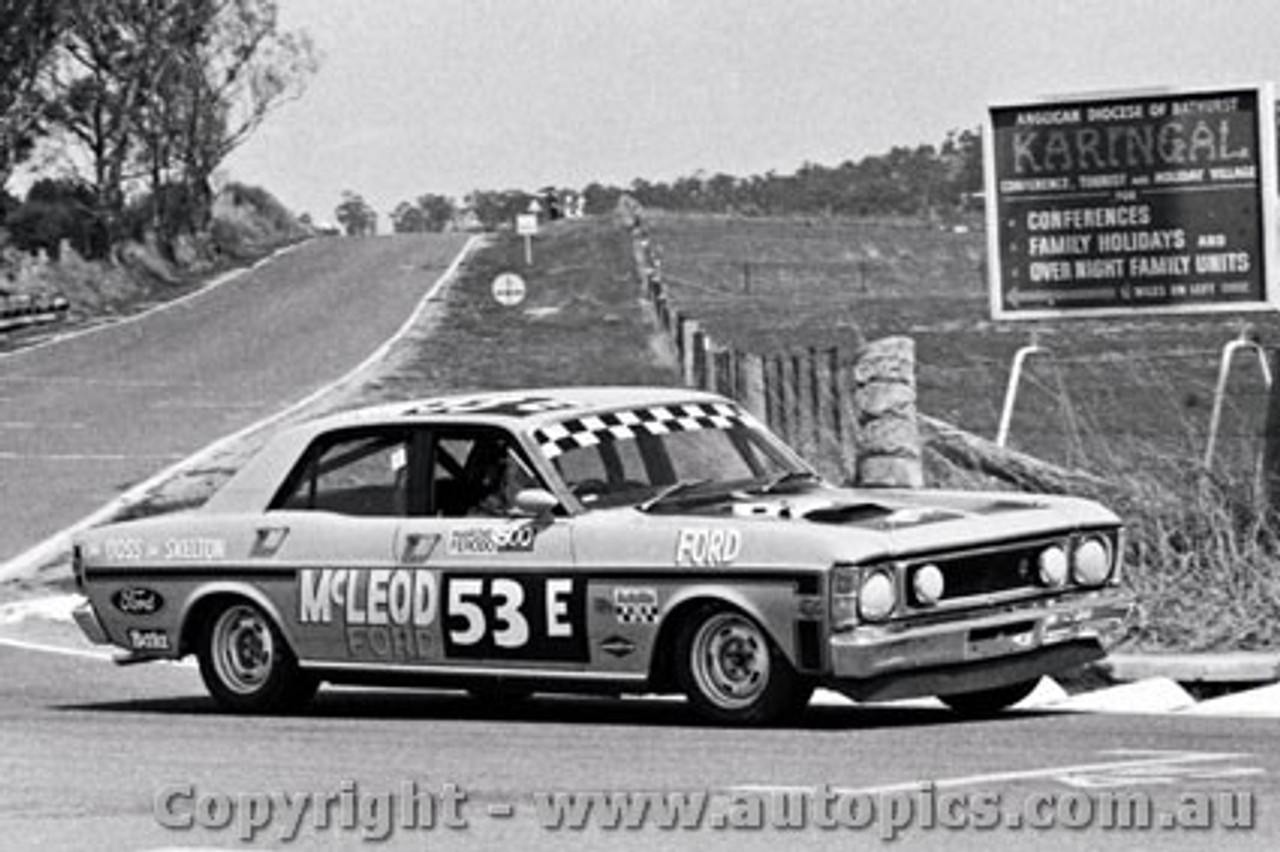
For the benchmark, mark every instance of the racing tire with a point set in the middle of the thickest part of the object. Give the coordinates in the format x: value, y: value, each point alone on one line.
x: 247, y: 665
x: 734, y: 674
x: 988, y: 702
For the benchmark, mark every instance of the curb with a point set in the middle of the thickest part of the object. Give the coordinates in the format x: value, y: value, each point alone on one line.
x: 1219, y: 668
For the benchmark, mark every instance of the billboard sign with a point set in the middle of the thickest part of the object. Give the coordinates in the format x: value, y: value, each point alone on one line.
x: 1132, y: 203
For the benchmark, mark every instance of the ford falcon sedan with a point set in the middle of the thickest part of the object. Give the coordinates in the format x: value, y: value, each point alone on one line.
x: 607, y: 540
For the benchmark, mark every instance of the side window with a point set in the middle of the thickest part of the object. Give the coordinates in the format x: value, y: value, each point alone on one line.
x: 477, y: 473
x: 360, y: 474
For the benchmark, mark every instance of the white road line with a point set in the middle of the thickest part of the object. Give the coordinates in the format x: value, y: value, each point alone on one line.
x: 49, y: 549
x: 1151, y: 759
x: 84, y: 457
x: 101, y: 655
x: 41, y: 648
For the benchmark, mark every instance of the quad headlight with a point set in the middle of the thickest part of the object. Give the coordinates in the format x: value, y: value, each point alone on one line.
x: 1052, y: 567
x: 877, y: 596
x: 860, y: 595
x: 1091, y: 561
x: 927, y: 584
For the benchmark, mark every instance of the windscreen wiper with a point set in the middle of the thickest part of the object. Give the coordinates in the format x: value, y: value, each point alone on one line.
x: 786, y: 479
x: 673, y: 490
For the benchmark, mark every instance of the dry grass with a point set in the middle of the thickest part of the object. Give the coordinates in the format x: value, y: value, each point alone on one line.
x: 1127, y: 400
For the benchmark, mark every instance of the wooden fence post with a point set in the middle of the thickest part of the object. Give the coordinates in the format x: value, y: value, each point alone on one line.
x: 688, y: 330
x: 805, y: 405
x: 700, y: 367
x: 751, y: 385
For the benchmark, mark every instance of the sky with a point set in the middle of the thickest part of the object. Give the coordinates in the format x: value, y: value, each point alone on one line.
x: 447, y: 96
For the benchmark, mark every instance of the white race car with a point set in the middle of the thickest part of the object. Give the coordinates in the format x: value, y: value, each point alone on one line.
x: 599, y: 539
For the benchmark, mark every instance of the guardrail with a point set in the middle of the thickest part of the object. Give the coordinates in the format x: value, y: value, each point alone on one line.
x: 24, y: 309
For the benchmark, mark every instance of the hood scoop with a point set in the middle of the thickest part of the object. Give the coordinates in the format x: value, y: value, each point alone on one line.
x: 880, y: 516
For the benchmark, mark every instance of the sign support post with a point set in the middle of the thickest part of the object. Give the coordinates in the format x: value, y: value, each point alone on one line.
x: 527, y: 227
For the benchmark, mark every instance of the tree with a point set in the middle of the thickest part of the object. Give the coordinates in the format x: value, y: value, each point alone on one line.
x: 355, y: 215
x: 237, y: 66
x: 438, y: 211
x: 159, y: 92
x: 28, y: 34
x: 408, y: 219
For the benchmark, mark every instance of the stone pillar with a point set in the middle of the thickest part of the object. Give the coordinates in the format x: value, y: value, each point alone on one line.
x: 888, y: 453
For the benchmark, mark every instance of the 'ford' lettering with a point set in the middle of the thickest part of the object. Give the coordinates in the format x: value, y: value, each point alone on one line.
x: 708, y: 548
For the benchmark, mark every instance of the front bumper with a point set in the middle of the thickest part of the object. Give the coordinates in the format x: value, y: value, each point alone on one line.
x: 86, y: 619
x: 1023, y: 641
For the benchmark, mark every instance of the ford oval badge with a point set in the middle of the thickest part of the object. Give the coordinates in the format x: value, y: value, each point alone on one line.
x: 136, y: 600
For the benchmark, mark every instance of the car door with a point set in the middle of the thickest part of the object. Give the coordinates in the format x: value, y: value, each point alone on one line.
x: 503, y: 592
x: 334, y: 524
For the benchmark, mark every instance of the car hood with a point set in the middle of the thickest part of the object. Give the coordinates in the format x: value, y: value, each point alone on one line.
x: 824, y: 522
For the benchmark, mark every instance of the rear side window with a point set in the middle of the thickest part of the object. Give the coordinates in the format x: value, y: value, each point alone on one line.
x: 365, y: 474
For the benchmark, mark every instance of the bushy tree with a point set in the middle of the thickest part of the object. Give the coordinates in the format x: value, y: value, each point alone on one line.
x: 54, y: 211
x: 355, y: 215
x: 157, y: 93
x: 28, y: 35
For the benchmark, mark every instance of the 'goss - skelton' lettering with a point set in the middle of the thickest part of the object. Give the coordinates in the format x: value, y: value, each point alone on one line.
x: 386, y: 614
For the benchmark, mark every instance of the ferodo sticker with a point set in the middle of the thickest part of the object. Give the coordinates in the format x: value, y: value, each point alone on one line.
x: 708, y: 547
x: 481, y: 541
x: 386, y: 614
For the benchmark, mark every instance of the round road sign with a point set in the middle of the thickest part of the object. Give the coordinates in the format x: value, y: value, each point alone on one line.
x: 508, y: 289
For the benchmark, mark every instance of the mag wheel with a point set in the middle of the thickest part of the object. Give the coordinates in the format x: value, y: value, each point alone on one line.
x: 985, y: 702
x: 246, y: 664
x: 733, y: 673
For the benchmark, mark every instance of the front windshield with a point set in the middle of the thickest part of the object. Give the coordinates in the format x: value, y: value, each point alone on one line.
x: 629, y: 460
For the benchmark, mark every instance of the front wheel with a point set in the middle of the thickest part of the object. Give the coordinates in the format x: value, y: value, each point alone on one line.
x: 247, y: 666
x: 986, y: 702
x: 734, y: 674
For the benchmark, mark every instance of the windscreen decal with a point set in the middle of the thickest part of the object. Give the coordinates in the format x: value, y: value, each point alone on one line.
x: 596, y: 429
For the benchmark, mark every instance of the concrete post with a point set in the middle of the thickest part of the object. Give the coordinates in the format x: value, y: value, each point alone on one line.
x: 888, y: 446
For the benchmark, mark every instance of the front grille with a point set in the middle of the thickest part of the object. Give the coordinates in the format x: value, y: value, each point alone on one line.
x: 984, y: 573
x: 974, y: 575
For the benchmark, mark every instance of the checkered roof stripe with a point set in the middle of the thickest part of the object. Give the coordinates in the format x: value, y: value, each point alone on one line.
x: 619, y: 425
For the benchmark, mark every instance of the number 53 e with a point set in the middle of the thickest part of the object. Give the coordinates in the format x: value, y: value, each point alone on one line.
x: 500, y: 613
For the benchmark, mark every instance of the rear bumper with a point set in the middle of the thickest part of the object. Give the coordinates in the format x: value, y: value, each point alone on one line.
x: 979, y: 652
x: 86, y: 619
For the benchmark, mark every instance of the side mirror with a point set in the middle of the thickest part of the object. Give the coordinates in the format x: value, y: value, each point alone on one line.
x: 535, y: 502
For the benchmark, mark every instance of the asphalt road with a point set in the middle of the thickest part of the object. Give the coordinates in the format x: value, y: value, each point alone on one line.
x: 85, y: 418
x: 94, y: 757
x: 97, y: 757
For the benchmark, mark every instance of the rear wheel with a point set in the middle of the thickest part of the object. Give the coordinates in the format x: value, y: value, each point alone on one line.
x: 734, y: 674
x: 247, y: 666
x: 986, y: 702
